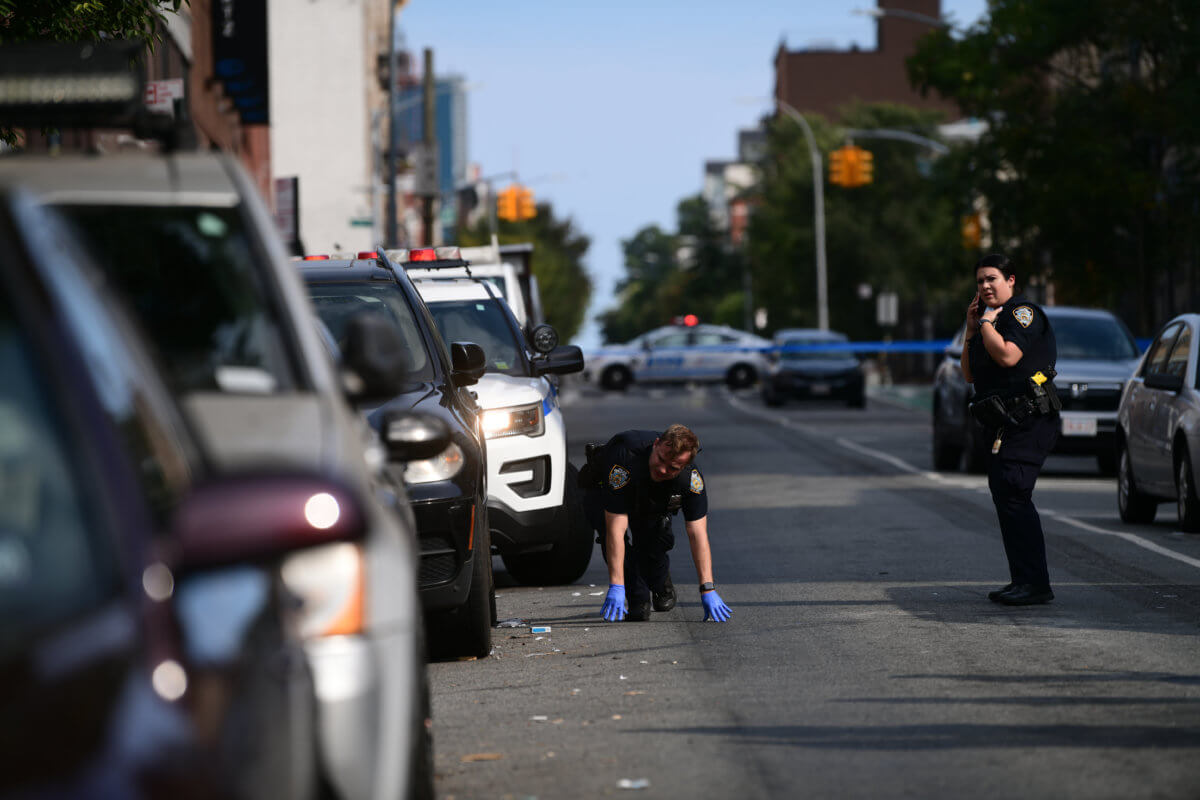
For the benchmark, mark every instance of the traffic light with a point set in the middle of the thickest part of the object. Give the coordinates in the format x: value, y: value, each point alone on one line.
x: 972, y: 232
x: 837, y: 168
x: 506, y: 204
x: 866, y: 167
x: 526, y: 208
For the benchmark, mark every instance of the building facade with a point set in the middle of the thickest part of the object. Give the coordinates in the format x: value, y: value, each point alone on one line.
x: 824, y: 81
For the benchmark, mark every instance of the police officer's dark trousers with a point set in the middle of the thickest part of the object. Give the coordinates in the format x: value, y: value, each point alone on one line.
x: 1011, y: 476
x: 647, y: 547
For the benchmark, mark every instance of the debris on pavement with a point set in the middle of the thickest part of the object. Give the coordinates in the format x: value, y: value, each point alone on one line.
x: 633, y: 783
x: 515, y: 622
x: 471, y: 757
x: 540, y: 629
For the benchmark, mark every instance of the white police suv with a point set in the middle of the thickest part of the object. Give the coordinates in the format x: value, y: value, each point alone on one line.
x: 534, y: 508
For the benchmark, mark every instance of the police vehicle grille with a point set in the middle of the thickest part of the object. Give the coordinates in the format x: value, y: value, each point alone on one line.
x: 1093, y: 400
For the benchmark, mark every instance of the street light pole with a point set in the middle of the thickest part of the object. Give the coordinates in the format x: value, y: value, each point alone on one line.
x: 818, y: 213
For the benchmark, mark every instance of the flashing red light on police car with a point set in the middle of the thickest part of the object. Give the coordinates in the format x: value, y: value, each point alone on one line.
x: 367, y: 254
x: 423, y: 254
x: 691, y: 320
x: 316, y: 258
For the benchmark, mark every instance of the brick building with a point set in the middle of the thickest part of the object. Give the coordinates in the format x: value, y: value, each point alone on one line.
x: 825, y: 80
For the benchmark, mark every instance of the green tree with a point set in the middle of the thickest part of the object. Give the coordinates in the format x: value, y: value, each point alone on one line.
x: 1091, y: 162
x: 896, y: 234
x: 558, y: 253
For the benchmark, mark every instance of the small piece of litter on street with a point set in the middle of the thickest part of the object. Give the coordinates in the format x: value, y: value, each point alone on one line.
x: 574, y: 691
x: 538, y: 718
x: 576, y: 594
x: 634, y: 693
x: 623, y: 678
x: 633, y: 783
x: 511, y: 623
x: 616, y: 716
x: 470, y: 757
x: 540, y: 629
x: 643, y: 662
x: 596, y: 594
x: 538, y: 638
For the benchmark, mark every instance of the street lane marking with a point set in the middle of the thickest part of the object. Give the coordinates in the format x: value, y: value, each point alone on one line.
x: 936, y: 477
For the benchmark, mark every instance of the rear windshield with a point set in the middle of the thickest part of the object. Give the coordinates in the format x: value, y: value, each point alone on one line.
x: 191, y: 274
x: 338, y: 303
x: 1097, y: 339
x: 484, y: 323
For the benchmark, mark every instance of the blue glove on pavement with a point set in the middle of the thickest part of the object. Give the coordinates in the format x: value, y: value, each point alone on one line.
x: 614, y: 603
x: 714, y: 607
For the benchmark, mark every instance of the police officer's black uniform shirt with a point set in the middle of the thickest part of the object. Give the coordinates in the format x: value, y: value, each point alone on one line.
x: 1025, y: 325
x: 629, y: 490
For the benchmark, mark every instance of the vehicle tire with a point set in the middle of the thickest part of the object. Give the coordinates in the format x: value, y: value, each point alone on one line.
x: 1134, y: 506
x: 946, y: 455
x: 740, y: 376
x: 467, y: 631
x: 566, y: 562
x: 616, y: 378
x: 1187, y: 504
x: 771, y: 397
x: 975, y: 449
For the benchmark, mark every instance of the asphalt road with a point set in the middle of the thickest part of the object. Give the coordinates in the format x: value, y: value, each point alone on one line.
x: 863, y: 659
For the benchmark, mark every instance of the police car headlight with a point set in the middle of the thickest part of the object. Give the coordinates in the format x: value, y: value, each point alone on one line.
x: 443, y: 466
x: 514, y: 421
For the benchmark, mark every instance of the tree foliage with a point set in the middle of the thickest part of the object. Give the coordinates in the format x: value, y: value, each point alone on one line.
x: 667, y: 275
x: 898, y: 234
x: 1091, y: 161
x: 558, y: 253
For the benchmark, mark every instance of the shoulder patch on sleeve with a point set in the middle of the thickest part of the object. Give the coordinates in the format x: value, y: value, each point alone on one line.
x: 618, y: 476
x: 697, y: 485
x: 1024, y: 315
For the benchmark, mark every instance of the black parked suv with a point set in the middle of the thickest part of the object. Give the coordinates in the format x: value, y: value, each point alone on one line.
x: 448, y: 492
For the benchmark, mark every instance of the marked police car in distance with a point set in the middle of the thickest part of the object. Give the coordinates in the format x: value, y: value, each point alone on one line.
x: 681, y: 353
x: 536, y: 515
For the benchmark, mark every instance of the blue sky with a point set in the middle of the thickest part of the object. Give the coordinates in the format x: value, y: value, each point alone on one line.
x: 609, y: 110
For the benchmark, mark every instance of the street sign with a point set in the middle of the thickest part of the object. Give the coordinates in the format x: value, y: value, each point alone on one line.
x: 887, y: 308
x: 160, y: 95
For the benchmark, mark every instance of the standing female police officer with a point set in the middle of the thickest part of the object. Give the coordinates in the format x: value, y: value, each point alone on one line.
x: 1009, y: 355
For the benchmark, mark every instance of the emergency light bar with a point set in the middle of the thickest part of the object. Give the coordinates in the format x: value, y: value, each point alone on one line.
x: 429, y: 258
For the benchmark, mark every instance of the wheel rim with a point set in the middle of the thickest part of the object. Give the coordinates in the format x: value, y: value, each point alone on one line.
x: 1123, y: 488
x: 1183, y: 486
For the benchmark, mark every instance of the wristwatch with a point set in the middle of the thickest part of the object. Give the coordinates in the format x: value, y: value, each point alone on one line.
x: 991, y: 322
x: 708, y: 586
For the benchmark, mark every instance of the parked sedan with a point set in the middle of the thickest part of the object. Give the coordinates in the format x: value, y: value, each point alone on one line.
x: 147, y: 643
x: 1096, y: 355
x: 805, y: 363
x: 1158, y: 428
x: 680, y: 353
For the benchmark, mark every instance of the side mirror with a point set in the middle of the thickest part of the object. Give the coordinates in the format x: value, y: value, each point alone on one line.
x: 1164, y: 381
x: 646, y: 345
x: 414, y: 436
x: 561, y: 361
x: 467, y: 363
x: 376, y: 357
x: 262, y: 517
x: 544, y: 338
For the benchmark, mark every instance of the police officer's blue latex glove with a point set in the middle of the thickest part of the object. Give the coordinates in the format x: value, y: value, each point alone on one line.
x: 614, y: 603
x: 714, y: 607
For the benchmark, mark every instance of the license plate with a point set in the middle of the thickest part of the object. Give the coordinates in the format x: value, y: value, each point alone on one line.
x: 1078, y: 427
x: 819, y: 388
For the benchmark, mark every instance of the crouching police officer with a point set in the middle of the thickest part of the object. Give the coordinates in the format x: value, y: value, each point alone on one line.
x: 635, y: 483
x: 1009, y: 355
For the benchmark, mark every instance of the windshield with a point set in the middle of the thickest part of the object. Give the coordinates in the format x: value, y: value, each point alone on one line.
x: 484, y: 323
x: 338, y: 303
x: 796, y: 350
x: 191, y: 276
x: 1091, y: 338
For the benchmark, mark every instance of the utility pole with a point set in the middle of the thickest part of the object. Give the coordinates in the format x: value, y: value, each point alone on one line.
x: 391, y: 234
x: 427, y: 215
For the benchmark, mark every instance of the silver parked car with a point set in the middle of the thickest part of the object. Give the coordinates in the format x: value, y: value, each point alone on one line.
x: 189, y: 242
x: 1158, y: 428
x: 1096, y: 355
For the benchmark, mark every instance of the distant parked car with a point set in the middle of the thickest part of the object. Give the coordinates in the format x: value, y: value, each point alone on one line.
x: 1096, y: 355
x: 805, y: 363
x: 1158, y: 428
x: 680, y: 353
